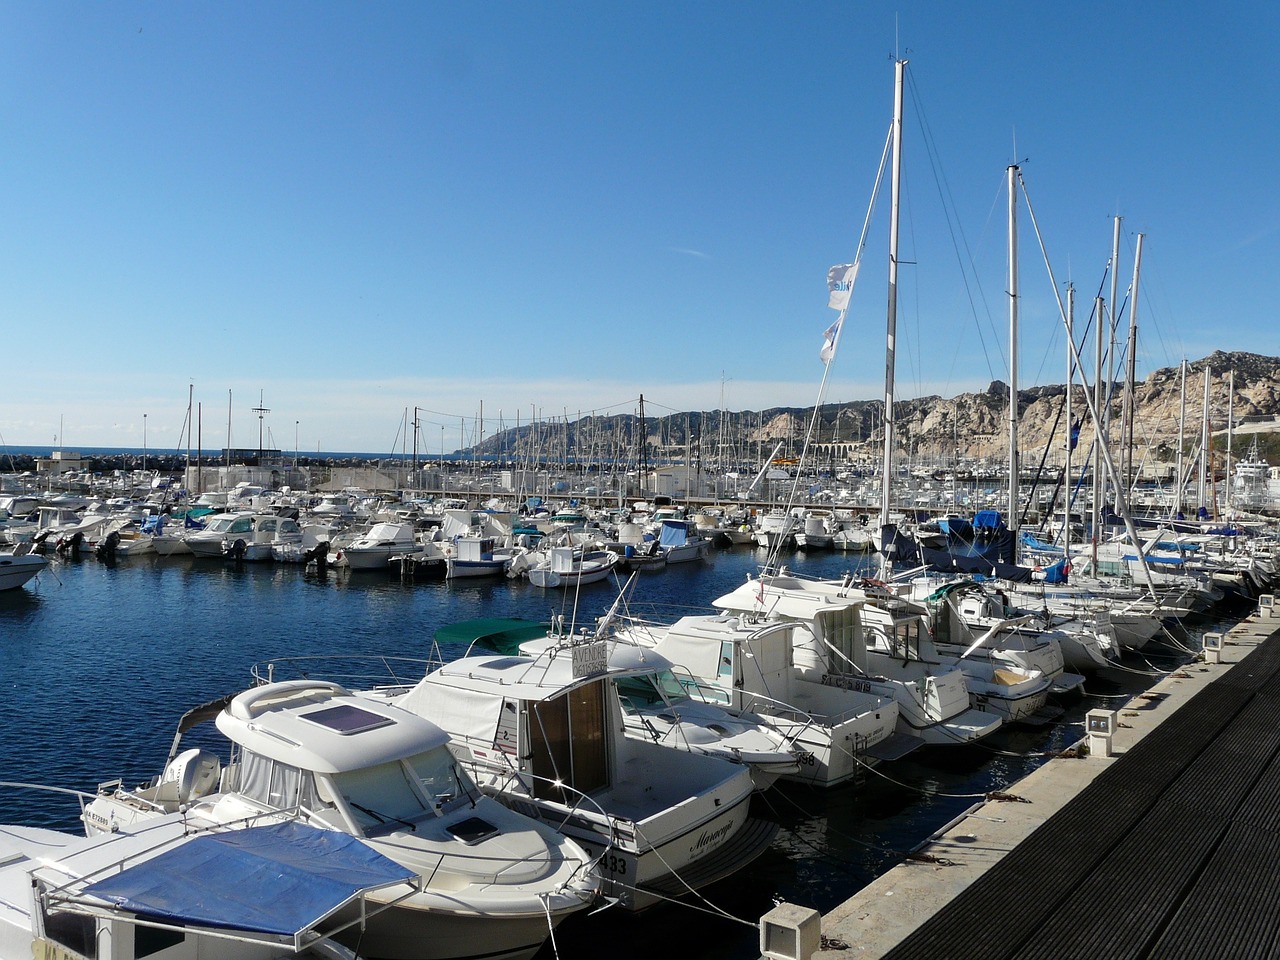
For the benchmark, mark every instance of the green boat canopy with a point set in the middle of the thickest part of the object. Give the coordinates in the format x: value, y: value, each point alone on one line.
x: 500, y: 634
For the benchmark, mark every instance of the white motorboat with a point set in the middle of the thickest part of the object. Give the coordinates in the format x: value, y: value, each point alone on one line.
x: 1005, y: 673
x: 473, y: 556
x: 681, y: 542
x: 243, y: 535
x: 373, y: 550
x: 546, y: 735
x: 492, y: 882
x: 568, y: 567
x: 17, y: 567
x: 932, y: 697
x: 171, y: 893
x: 655, y: 700
x: 962, y: 611
x: 316, y: 539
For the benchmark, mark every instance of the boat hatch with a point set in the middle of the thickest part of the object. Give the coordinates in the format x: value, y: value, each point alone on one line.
x: 347, y: 719
x: 473, y: 830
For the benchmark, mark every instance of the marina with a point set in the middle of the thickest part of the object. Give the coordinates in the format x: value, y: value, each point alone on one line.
x: 597, y: 655
x: 139, y: 642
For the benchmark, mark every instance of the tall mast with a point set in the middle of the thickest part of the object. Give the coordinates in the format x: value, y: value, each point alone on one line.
x: 891, y: 322
x: 228, y: 456
x: 1130, y: 379
x: 1099, y: 434
x: 1114, y: 319
x: 1013, y: 353
x: 1231, y: 426
x: 1066, y: 467
x: 191, y: 389
x: 1203, y: 484
x: 1182, y: 440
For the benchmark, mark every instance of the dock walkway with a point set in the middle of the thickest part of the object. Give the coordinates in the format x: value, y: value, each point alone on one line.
x: 1167, y: 849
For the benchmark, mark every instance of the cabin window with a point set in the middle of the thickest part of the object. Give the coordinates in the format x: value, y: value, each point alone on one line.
x: 278, y: 786
x: 725, y: 670
x: 568, y: 738
x: 241, y: 525
x: 268, y: 525
x: 906, y: 639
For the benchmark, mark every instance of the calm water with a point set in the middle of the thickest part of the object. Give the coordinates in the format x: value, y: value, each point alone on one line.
x: 98, y: 662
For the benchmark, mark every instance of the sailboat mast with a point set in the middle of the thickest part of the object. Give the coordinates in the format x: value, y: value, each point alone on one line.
x: 1231, y: 426
x: 1013, y: 354
x: 1130, y: 379
x: 1182, y: 441
x: 1068, y: 498
x: 891, y: 321
x: 1205, y: 435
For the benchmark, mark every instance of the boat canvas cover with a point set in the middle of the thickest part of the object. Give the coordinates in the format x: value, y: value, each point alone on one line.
x: 281, y: 879
x: 674, y: 533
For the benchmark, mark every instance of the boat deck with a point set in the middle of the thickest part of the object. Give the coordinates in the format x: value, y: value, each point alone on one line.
x: 1167, y: 850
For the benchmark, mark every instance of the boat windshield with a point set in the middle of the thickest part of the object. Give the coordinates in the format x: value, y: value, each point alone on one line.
x: 649, y: 690
x: 440, y: 778
x: 382, y: 798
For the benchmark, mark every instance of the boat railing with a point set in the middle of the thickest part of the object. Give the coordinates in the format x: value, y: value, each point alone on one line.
x: 517, y: 789
x: 384, y: 674
x: 81, y: 796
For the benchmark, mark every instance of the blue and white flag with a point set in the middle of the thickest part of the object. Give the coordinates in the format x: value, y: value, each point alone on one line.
x: 840, y: 284
x: 829, y: 340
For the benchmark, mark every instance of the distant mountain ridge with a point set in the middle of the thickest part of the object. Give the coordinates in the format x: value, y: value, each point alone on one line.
x: 975, y: 423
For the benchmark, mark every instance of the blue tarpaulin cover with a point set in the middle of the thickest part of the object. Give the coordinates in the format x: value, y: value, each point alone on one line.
x: 674, y: 533
x: 278, y: 879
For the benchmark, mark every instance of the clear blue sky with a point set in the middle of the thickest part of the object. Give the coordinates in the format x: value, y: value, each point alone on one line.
x: 353, y: 209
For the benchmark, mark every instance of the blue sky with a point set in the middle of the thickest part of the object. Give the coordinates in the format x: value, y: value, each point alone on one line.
x: 350, y: 210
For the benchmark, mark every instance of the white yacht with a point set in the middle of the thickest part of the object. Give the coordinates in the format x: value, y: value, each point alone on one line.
x: 492, y: 882
x: 546, y: 735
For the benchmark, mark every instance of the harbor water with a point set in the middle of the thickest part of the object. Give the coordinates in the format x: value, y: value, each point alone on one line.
x: 99, y: 661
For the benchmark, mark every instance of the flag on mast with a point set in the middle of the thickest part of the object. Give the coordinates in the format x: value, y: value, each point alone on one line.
x: 840, y: 284
x: 829, y: 339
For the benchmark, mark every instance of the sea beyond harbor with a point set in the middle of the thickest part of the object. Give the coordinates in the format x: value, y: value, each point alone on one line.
x: 101, y: 659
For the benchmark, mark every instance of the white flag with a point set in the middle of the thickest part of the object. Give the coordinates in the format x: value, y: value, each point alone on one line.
x: 840, y: 283
x: 829, y: 339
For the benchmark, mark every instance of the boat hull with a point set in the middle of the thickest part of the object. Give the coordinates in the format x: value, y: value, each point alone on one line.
x: 15, y: 571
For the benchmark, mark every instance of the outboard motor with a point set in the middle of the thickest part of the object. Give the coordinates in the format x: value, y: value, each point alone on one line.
x: 235, y: 550
x: 319, y: 555
x: 106, y: 548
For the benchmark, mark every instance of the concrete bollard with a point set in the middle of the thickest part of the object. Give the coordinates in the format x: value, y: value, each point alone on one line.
x: 790, y: 932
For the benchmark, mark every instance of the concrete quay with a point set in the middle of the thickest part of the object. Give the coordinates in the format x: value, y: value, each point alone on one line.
x: 1103, y: 856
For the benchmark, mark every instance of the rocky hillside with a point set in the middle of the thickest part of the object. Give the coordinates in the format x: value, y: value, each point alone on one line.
x: 975, y: 423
